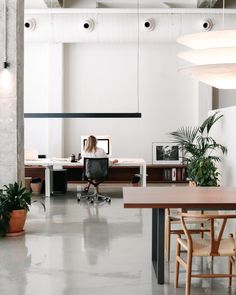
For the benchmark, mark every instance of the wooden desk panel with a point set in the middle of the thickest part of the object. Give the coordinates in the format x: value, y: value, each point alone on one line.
x: 35, y: 171
x: 74, y: 174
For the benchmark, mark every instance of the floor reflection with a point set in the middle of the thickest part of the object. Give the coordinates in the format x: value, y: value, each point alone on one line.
x: 96, y: 233
x: 15, y: 262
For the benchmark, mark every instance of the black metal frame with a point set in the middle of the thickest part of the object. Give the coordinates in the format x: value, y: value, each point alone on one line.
x: 158, y: 235
x: 82, y: 115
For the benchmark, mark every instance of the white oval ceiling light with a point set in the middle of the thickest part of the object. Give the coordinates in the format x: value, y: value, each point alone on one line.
x: 210, y: 55
x: 221, y: 76
x: 213, y: 39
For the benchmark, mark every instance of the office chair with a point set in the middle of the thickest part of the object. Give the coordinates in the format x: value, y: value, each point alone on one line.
x: 95, y: 171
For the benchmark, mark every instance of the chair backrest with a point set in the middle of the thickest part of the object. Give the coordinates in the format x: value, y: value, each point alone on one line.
x: 96, y: 168
x: 216, y: 232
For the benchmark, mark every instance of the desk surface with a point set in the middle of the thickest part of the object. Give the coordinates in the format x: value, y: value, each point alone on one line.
x: 67, y: 162
x: 180, y: 197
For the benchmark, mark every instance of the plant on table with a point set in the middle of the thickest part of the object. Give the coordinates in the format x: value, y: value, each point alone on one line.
x: 199, y: 151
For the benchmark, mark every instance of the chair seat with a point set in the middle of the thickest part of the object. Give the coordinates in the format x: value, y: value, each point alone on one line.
x: 176, y: 220
x: 201, y: 247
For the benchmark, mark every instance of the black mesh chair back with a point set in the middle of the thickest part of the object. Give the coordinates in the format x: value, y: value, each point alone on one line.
x: 96, y: 169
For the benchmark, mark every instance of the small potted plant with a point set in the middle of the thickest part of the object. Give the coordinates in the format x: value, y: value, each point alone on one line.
x: 14, y: 204
x: 199, y: 151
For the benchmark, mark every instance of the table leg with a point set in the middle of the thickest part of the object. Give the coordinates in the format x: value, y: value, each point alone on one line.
x: 143, y: 172
x: 48, y: 181
x: 158, y: 238
x: 154, y: 236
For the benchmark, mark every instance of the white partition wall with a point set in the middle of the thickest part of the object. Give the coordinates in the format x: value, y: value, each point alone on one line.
x: 167, y: 99
x: 224, y: 132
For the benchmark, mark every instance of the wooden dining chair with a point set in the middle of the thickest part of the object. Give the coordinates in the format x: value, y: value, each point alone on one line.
x: 173, y: 227
x: 211, y: 245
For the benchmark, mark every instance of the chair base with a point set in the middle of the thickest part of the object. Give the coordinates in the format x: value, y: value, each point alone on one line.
x: 94, y: 198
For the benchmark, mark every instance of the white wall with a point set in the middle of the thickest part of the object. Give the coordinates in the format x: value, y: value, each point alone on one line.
x: 224, y: 132
x: 226, y: 98
x: 167, y: 99
x: 43, y: 94
x: 102, y: 77
x: 36, y: 80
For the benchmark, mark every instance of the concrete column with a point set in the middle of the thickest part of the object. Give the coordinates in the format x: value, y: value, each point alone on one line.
x: 11, y: 94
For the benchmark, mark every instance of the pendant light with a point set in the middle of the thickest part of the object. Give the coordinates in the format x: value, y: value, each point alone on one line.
x: 213, y: 57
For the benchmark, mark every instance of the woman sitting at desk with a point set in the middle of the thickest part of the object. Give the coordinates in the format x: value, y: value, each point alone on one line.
x: 92, y: 151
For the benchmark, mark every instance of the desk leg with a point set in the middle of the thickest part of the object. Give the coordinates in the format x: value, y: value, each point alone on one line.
x: 48, y: 180
x: 158, y: 237
x: 143, y: 172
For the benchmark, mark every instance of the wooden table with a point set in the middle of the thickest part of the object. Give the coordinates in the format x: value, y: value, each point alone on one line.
x: 160, y: 198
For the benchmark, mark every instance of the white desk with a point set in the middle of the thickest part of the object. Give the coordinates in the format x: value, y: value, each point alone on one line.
x: 49, y: 164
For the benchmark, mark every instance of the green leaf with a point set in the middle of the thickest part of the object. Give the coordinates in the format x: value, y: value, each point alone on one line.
x: 198, y: 148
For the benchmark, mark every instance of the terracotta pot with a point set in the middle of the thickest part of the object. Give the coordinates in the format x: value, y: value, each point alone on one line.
x: 17, y: 221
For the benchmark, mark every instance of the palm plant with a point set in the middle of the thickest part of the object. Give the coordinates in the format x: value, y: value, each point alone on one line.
x: 199, y: 151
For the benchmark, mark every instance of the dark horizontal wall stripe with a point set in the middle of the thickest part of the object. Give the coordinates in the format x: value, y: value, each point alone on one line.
x: 82, y: 115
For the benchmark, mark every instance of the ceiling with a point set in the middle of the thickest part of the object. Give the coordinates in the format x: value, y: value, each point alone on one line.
x: 29, y: 4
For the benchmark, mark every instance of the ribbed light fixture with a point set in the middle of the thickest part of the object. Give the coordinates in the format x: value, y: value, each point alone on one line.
x: 222, y: 76
x: 213, y: 39
x: 210, y: 56
x: 213, y: 57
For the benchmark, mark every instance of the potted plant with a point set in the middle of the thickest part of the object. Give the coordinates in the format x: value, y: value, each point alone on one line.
x: 14, y: 204
x: 199, y: 151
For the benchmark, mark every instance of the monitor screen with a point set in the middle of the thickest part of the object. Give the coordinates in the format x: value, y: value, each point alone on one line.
x: 103, y: 142
x: 31, y: 154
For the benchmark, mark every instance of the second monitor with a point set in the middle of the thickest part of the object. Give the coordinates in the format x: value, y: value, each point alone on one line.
x: 103, y: 141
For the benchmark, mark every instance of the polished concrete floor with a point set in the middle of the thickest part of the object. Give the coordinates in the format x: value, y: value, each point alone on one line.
x: 76, y: 248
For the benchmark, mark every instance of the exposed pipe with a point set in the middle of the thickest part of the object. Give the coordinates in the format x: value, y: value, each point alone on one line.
x: 54, y: 3
x: 206, y: 3
x: 166, y: 5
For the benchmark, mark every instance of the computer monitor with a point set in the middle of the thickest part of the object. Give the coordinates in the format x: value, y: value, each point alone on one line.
x: 31, y: 154
x: 103, y: 141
